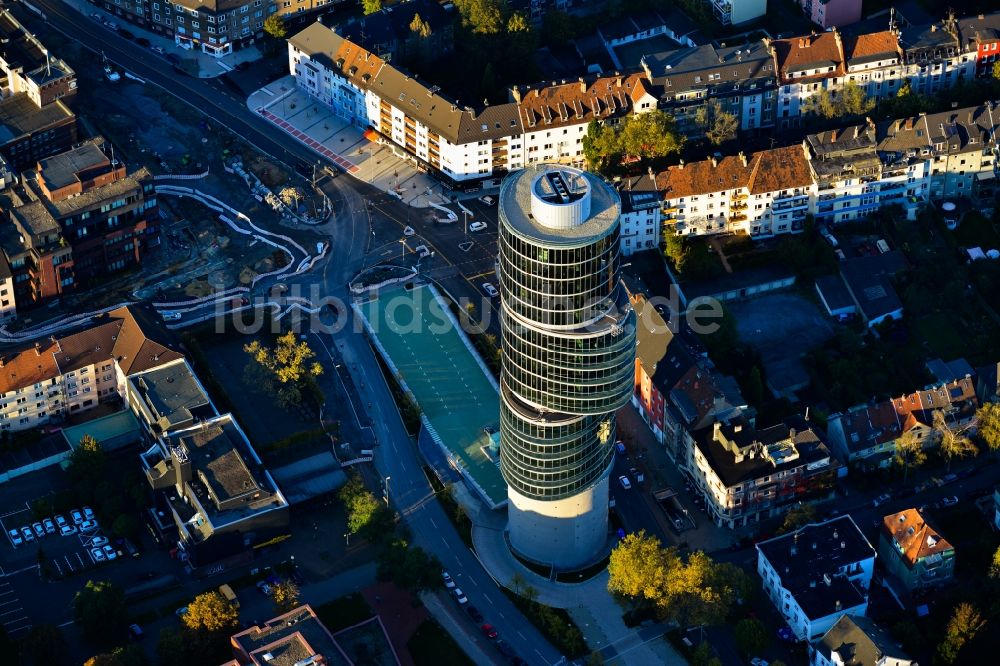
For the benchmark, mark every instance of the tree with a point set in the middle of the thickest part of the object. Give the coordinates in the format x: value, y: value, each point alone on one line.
x: 124, y: 526
x: 45, y: 645
x: 909, y: 452
x: 121, y: 656
x: 211, y: 612
x: 99, y: 609
x: 650, y: 135
x: 718, y: 124
x: 953, y: 444
x: 409, y: 566
x: 284, y: 371
x: 963, y: 626
x: 518, y: 22
x: 558, y: 27
x: 751, y: 637
x: 420, y: 27
x: 482, y: 17
x: 703, y: 655
x: 850, y: 100
x: 286, y: 596
x: 798, y: 516
x: 988, y: 420
x: 371, y: 6
x: 995, y: 566
x: 366, y: 514
x: 274, y: 26
x: 600, y: 144
x: 996, y: 70
x: 638, y: 567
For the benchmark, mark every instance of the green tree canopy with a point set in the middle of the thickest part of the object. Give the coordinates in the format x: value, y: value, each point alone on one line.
x: 718, y: 124
x: 963, y: 626
x: 851, y: 100
x: 408, y: 566
x: 371, y: 6
x: 644, y: 136
x: 285, y: 595
x: 366, y: 514
x: 274, y: 26
x: 99, y: 610
x: 420, y: 27
x: 45, y: 645
x: 482, y: 17
x: 211, y: 612
x: 285, y: 371
x: 988, y: 422
x: 638, y: 567
x: 953, y: 444
x: 908, y: 452
x: 751, y: 637
x: 798, y: 516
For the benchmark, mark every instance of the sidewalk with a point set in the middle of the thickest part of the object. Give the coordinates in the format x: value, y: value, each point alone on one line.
x: 208, y: 67
x: 313, y: 124
x: 456, y: 629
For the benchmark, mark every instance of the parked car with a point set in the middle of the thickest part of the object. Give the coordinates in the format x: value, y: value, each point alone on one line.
x: 487, y: 200
x: 157, y: 49
x: 448, y: 581
x: 143, y: 42
x: 967, y: 472
x: 173, y: 58
x: 949, y: 501
x: 489, y: 631
x: 98, y: 541
x: 88, y: 526
x: 490, y: 290
x: 757, y: 661
x: 110, y: 552
x: 882, y: 499
x: 88, y: 513
x: 39, y: 530
x: 135, y: 632
x: 474, y: 613
x: 264, y: 587
x: 67, y: 530
x: 460, y: 596
x: 181, y: 612
x: 76, y: 516
x: 477, y: 226
x: 15, y: 537
x: 243, y: 66
x: 626, y: 484
x: 60, y: 520
x: 169, y: 315
x: 50, y: 527
x: 97, y: 554
x: 27, y: 533
x: 126, y: 34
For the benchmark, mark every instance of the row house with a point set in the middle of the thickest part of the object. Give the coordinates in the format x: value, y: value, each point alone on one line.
x: 817, y: 574
x: 640, y: 216
x: 831, y: 13
x: 981, y: 34
x: 746, y: 475
x: 78, y: 216
x: 740, y: 78
x: 934, y: 58
x: 543, y: 124
x: 866, y: 434
x: 61, y: 376
x: 735, y: 12
x: 762, y: 194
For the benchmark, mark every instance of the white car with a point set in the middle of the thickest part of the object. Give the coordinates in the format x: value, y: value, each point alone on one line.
x: 110, y: 553
x: 487, y: 200
x: 76, y: 516
x: 39, y: 530
x: 27, y: 534
x: 757, y: 661
x: 88, y: 513
x: 264, y: 587
x: 881, y: 499
x: 409, y: 231
x: 170, y: 316
x: 61, y: 520
x: 626, y: 484
x: 949, y: 501
x: 88, y: 526
x: 448, y: 581
x: 15, y: 537
x: 50, y: 527
x: 157, y: 49
x: 477, y: 226
x: 67, y: 530
x: 98, y: 541
x: 97, y: 555
x: 490, y: 290
x: 460, y: 596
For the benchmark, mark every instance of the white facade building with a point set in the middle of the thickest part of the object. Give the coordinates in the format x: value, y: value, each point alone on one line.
x: 817, y: 574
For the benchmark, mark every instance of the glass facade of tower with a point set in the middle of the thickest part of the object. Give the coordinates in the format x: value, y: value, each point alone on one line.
x: 568, y: 338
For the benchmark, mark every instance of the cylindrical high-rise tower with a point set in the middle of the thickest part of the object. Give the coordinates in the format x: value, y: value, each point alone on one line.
x: 568, y: 359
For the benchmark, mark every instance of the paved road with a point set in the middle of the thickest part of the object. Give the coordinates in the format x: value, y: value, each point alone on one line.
x: 396, y: 458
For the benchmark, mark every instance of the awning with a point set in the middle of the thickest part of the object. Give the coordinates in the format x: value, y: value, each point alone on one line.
x: 371, y: 135
x: 985, y: 175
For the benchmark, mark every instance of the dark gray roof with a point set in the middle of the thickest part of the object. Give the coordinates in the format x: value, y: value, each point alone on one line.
x: 393, y: 23
x: 746, y: 66
x: 860, y: 642
x: 171, y: 393
x: 20, y: 117
x: 869, y: 281
x: 293, y: 637
x: 309, y: 477
x: 809, y: 562
x: 950, y: 371
x: 63, y: 169
x: 834, y: 292
x: 750, y: 277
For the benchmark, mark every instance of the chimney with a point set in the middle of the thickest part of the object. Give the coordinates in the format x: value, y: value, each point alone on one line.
x: 837, y: 605
x: 933, y: 27
x: 583, y: 85
x: 833, y: 135
x: 715, y: 162
x: 515, y: 94
x: 3, y: 360
x: 680, y: 165
x: 56, y: 342
x: 840, y: 42
x: 802, y: 42
x: 743, y: 158
x: 716, y: 431
x: 38, y: 349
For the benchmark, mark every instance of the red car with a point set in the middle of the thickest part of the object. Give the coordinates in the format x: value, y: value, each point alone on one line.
x: 489, y: 631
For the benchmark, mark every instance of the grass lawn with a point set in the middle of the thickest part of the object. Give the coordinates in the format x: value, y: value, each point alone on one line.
x: 938, y: 331
x: 431, y: 644
x: 344, y: 612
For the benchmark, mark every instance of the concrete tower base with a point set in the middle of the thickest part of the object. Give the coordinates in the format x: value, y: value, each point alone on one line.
x: 568, y: 534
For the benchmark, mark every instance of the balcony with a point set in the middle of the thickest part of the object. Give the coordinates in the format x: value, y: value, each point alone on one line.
x: 723, y: 10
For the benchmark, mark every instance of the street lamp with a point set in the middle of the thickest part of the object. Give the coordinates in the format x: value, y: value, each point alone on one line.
x: 386, y: 494
x: 347, y: 536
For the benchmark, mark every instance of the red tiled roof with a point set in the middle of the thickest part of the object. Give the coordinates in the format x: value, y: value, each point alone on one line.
x: 916, y: 539
x: 814, y: 51
x: 579, y: 101
x: 870, y: 44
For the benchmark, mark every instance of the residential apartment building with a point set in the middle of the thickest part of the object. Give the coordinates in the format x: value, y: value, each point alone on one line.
x: 54, y: 378
x: 8, y: 301
x: 855, y: 640
x: 168, y: 397
x: 388, y: 34
x: 212, y: 494
x: 746, y: 475
x: 76, y: 217
x: 831, y: 13
x: 867, y: 434
x: 981, y: 34
x: 817, y: 574
x: 762, y: 194
x: 934, y: 57
x: 640, y: 217
x: 913, y: 552
x: 460, y: 145
x: 734, y: 12
x: 740, y: 78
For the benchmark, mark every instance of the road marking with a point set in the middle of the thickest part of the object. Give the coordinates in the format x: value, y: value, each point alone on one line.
x: 523, y: 637
x: 490, y: 600
x: 19, y: 609
x: 433, y: 523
